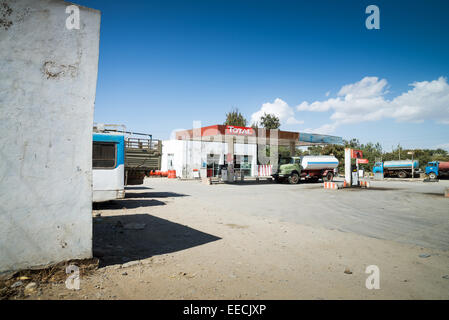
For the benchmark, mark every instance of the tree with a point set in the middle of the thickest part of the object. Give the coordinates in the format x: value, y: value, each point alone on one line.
x: 235, y: 118
x: 270, y: 121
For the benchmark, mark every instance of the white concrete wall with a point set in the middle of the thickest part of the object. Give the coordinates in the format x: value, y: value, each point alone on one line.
x: 47, y: 93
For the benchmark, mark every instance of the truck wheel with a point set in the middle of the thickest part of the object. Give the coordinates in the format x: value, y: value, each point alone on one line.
x: 432, y: 175
x: 329, y: 176
x: 294, y: 178
x: 402, y: 174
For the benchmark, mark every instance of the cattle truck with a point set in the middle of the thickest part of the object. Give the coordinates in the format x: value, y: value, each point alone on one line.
x: 397, y: 168
x: 437, y: 169
x: 142, y: 154
x: 294, y: 169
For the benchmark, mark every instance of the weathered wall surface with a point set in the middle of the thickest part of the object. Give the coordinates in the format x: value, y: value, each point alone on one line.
x: 47, y: 92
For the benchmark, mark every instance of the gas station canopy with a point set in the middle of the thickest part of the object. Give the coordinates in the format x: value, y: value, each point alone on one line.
x: 220, y: 133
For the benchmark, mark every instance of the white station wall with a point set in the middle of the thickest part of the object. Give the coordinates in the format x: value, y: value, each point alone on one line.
x: 189, y: 155
x: 47, y: 94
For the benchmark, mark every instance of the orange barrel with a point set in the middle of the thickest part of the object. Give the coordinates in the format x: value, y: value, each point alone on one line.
x: 157, y: 173
x: 164, y: 173
x: 172, y: 174
x: 151, y: 173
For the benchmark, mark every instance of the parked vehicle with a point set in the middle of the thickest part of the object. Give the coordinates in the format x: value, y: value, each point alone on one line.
x: 306, y: 167
x: 397, y: 168
x: 142, y: 155
x: 437, y: 169
x: 108, y: 166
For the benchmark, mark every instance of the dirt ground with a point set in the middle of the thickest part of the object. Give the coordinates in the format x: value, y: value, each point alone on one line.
x: 173, y: 239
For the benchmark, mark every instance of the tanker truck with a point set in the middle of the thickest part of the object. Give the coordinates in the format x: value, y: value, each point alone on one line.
x: 294, y: 169
x: 397, y: 168
x: 437, y: 169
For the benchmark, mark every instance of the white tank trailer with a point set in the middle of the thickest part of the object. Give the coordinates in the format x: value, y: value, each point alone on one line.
x: 318, y: 162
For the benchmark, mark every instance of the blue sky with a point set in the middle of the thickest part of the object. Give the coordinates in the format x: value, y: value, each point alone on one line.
x: 164, y: 64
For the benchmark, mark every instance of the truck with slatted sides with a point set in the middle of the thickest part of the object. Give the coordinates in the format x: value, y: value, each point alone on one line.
x: 142, y: 155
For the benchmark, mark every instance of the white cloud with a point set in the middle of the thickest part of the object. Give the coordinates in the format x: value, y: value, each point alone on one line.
x: 364, y: 101
x: 324, y: 129
x: 280, y: 109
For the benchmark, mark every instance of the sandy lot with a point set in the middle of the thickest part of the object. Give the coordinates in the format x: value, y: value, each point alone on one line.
x: 173, y: 239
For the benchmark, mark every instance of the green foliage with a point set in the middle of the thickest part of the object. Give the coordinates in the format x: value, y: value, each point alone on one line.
x: 235, y: 118
x: 269, y: 121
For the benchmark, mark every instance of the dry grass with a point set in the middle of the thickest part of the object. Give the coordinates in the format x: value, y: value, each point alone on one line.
x: 52, y: 274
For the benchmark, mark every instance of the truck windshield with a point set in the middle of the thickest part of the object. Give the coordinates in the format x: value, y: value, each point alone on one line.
x: 285, y: 161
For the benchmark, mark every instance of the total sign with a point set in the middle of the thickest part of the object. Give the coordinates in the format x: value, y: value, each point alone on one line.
x: 362, y: 161
x: 240, y: 131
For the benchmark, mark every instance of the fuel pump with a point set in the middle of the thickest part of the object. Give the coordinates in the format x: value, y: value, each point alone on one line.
x: 352, y: 167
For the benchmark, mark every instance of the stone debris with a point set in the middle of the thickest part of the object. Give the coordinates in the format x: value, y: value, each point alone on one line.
x: 16, y: 284
x: 30, y: 288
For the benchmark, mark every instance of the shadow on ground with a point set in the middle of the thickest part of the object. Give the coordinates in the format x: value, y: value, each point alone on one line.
x: 266, y: 181
x: 127, y: 204
x: 137, y: 188
x: 118, y: 239
x: 134, y: 195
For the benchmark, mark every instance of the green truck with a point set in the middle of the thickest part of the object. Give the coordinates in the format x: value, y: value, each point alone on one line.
x: 294, y: 169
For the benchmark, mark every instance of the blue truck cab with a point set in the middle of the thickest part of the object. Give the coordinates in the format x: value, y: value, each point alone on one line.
x: 378, y: 167
x: 432, y: 169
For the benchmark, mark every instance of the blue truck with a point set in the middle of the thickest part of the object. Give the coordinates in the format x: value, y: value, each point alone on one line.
x: 397, y: 168
x: 437, y: 169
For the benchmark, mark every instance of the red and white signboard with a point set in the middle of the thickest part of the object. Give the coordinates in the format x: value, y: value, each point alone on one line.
x: 264, y: 170
x: 362, y: 161
x: 356, y: 154
x: 239, y: 131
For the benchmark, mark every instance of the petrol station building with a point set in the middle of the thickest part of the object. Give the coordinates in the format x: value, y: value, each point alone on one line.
x: 205, y: 151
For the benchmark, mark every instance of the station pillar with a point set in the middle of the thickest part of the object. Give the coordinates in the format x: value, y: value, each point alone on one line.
x: 292, y: 148
x: 348, y: 171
